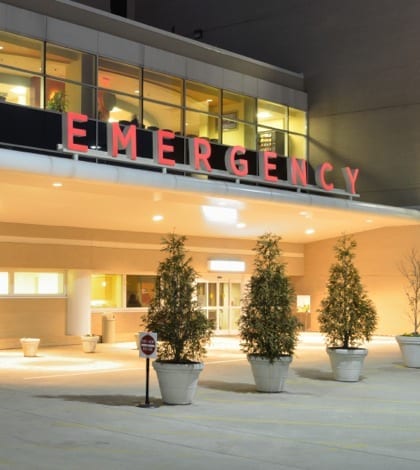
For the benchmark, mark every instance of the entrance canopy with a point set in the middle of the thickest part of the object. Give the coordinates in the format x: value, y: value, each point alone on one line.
x: 43, y: 190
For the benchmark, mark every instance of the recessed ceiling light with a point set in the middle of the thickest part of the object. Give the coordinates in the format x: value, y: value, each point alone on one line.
x: 369, y: 221
x: 240, y: 225
x: 157, y: 218
x: 309, y: 231
x: 305, y: 214
x: 57, y: 184
x: 224, y: 215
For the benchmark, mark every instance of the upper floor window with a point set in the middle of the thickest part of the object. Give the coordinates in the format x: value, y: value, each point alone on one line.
x: 240, y: 106
x: 161, y: 87
x: 21, y: 67
x: 69, y: 64
x: 202, y: 97
x: 272, y: 115
x: 21, y: 53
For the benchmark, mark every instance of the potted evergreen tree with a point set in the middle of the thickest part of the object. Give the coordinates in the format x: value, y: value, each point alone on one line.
x: 267, y: 326
x: 182, y: 328
x: 347, y: 316
x: 409, y: 343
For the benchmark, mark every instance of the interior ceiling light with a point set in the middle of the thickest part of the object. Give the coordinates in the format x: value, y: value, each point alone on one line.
x: 305, y: 214
x: 228, y: 266
x: 18, y: 90
x: 264, y: 115
x: 309, y: 231
x: 157, y: 218
x: 220, y: 214
x: 57, y: 184
x: 240, y: 225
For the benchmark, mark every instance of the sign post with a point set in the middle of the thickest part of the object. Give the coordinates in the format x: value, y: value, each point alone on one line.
x: 147, y: 349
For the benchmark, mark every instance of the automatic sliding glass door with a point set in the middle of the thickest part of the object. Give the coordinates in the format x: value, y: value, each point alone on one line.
x: 221, y: 302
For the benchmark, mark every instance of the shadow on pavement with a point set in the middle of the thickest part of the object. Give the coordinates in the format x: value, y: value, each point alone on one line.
x: 110, y: 400
x: 228, y: 386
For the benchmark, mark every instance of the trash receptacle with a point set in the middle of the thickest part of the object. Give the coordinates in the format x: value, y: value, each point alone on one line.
x: 108, y: 328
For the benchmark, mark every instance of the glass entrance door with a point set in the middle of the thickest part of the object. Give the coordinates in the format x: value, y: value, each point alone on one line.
x: 221, y: 301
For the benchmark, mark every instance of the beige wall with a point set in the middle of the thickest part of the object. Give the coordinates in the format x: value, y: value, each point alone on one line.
x: 377, y: 257
x: 109, y: 251
x: 37, y: 247
x: 40, y: 318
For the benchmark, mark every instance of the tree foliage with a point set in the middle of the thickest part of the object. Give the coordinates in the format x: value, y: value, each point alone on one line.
x: 267, y: 326
x: 347, y: 316
x: 183, y: 329
x: 410, y: 269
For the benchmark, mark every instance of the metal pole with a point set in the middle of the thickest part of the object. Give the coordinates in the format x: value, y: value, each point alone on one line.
x: 147, y: 402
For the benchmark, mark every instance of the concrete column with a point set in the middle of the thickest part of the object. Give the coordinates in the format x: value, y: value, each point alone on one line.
x: 78, y: 320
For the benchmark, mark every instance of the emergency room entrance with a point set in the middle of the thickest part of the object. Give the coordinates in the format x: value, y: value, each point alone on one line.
x: 221, y: 301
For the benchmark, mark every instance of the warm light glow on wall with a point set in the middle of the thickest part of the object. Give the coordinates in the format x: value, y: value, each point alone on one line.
x: 222, y: 265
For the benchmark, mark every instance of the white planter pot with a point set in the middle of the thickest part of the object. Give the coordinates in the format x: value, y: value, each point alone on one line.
x: 29, y: 346
x: 137, y: 338
x: 347, y: 364
x: 269, y: 376
x: 410, y: 350
x: 89, y: 343
x: 177, y: 382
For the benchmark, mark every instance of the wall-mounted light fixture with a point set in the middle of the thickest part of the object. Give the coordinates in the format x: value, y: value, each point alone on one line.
x: 227, y: 266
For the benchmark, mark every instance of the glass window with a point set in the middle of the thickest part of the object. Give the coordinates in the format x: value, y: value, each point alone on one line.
x: 114, y: 107
x: 67, y: 96
x: 161, y: 87
x: 242, y: 107
x: 272, y: 115
x: 202, y: 97
x: 37, y: 283
x: 297, y: 146
x: 140, y: 290
x: 4, y: 283
x: 201, y: 125
x: 20, y: 52
x: 69, y: 64
x: 106, y: 291
x: 119, y: 77
x: 20, y: 87
x: 297, y: 121
x: 238, y: 133
x: 162, y: 116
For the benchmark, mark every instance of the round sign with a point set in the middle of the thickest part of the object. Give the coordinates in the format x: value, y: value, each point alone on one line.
x: 147, y: 345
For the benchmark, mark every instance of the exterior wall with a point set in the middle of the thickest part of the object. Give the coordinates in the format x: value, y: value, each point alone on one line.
x: 117, y: 38
x: 377, y: 256
x: 106, y: 251
x: 30, y: 317
x: 361, y: 68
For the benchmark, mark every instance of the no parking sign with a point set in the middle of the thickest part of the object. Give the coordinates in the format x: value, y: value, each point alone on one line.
x: 147, y: 349
x: 148, y: 345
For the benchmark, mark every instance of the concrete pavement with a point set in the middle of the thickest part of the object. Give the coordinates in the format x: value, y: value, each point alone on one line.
x: 66, y: 409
